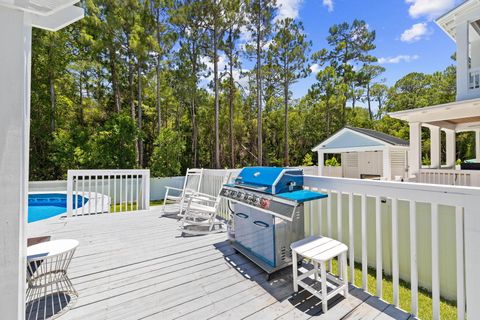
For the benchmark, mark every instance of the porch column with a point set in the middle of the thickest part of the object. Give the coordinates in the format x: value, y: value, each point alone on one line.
x: 435, y: 147
x: 462, y: 60
x: 477, y: 144
x: 321, y: 163
x: 16, y: 21
x: 15, y: 36
x: 451, y: 148
x: 387, y: 167
x: 415, y: 154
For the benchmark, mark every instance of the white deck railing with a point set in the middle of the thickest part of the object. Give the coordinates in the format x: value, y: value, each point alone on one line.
x: 450, y: 177
x: 427, y: 235
x: 94, y: 191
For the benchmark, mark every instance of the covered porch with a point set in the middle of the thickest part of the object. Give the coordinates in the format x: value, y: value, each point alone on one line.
x: 451, y: 118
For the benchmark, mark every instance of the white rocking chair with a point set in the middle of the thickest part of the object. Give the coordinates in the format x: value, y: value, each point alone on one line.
x: 200, y: 215
x: 176, y: 198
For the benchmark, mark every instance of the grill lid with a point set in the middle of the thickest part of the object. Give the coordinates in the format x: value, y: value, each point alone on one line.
x: 270, y: 179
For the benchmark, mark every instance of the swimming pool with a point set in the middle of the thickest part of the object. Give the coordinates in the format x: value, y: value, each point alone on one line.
x: 46, y: 205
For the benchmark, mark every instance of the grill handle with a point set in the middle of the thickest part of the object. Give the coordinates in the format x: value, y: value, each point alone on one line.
x: 261, y: 224
x: 241, y: 215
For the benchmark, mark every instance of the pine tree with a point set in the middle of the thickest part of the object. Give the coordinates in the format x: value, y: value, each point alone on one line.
x: 260, y: 14
x: 289, y: 52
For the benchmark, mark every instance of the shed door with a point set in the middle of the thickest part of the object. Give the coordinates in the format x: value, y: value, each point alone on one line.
x: 350, y: 165
x: 370, y: 163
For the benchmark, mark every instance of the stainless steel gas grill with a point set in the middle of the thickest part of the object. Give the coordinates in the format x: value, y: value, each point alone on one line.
x: 268, y: 214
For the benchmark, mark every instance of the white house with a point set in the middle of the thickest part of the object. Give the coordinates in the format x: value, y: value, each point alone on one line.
x: 462, y: 24
x: 365, y: 154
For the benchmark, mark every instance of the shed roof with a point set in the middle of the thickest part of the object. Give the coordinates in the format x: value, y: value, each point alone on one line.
x: 355, y: 139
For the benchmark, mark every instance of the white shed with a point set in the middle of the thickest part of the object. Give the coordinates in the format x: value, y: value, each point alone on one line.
x: 365, y: 154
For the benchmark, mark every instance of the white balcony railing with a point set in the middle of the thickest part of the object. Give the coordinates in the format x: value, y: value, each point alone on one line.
x: 93, y: 191
x: 427, y: 235
x: 470, y: 178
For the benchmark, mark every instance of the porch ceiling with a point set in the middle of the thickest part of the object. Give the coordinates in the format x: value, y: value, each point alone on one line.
x: 458, y: 116
x: 39, y: 7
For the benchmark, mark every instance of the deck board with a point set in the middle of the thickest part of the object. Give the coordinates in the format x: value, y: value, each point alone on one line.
x: 138, y: 266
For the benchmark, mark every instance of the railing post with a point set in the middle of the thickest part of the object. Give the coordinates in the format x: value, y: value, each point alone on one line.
x: 147, y: 189
x: 70, y: 193
x: 472, y: 256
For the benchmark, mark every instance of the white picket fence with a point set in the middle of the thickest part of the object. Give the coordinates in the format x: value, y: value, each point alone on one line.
x: 94, y: 191
x: 427, y: 235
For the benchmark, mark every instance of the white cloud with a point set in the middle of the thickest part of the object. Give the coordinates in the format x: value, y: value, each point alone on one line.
x: 315, y: 68
x: 428, y: 8
x: 328, y: 4
x: 415, y: 33
x: 288, y: 9
x: 398, y: 59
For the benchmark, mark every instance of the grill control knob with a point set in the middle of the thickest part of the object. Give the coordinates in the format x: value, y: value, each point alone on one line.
x: 265, y: 203
x: 256, y: 201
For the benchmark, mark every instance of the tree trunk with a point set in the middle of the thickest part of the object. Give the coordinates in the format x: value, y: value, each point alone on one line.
x: 194, y: 134
x: 113, y: 71
x: 285, y: 97
x: 232, y: 140
x: 259, y: 91
x: 140, y: 118
x: 193, y: 60
x: 159, y: 111
x: 52, y: 102
x: 157, y: 102
x: 80, y: 94
x: 217, y: 98
x: 369, y: 102
x: 327, y: 111
x: 132, y: 101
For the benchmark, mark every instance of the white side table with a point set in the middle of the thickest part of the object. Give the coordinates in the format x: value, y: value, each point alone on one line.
x: 50, y: 292
x: 320, y: 250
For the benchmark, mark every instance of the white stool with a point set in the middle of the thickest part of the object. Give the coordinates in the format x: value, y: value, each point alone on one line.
x: 320, y: 250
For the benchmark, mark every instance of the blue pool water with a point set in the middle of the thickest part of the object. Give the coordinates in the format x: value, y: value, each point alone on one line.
x: 46, y: 205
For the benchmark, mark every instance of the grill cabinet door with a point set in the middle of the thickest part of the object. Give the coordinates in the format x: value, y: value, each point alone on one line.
x: 263, y: 245
x: 243, y: 228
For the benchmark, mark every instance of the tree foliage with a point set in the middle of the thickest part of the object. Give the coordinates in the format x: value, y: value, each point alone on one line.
x: 161, y: 84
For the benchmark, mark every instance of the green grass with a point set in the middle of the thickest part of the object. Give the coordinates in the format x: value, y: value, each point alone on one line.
x: 448, y: 309
x: 129, y: 206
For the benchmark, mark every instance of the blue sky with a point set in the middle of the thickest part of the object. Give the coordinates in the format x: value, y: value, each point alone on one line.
x: 407, y: 38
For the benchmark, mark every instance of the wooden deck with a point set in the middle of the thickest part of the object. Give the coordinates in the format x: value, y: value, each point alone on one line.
x: 137, y: 266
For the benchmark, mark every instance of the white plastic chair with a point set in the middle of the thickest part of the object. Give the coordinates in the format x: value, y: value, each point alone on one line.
x: 177, y: 197
x: 200, y: 215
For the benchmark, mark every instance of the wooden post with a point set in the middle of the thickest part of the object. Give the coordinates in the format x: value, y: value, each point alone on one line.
x: 387, y: 165
x: 462, y: 42
x: 451, y: 147
x: 15, y: 36
x: 472, y: 257
x: 435, y: 147
x: 16, y: 21
x: 321, y: 163
x: 415, y: 155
